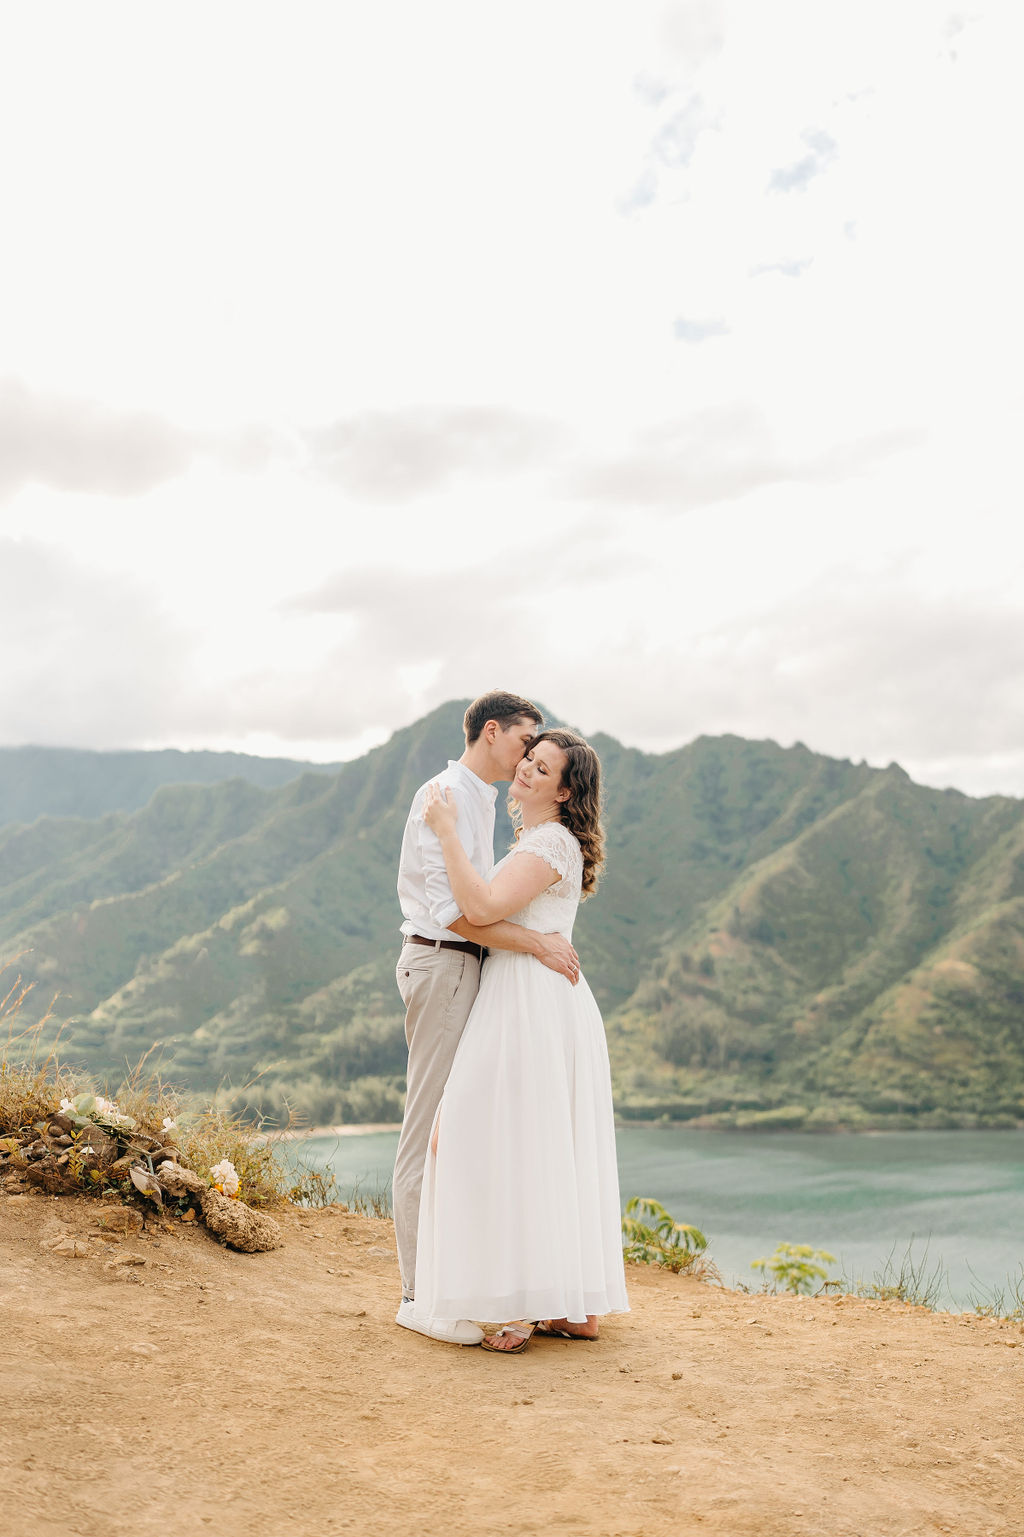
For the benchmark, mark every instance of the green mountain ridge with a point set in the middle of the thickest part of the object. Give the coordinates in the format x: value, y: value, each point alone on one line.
x: 780, y: 938
x: 84, y: 782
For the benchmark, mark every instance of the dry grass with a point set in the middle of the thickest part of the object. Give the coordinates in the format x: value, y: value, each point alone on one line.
x: 33, y: 1081
x: 30, y: 1089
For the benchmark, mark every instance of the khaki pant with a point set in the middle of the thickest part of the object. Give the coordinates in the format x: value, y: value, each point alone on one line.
x: 438, y: 988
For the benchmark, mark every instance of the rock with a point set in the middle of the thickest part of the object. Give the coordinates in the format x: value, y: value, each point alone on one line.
x: 178, y: 1181
x: 253, y: 1232
x: 68, y: 1248
x: 104, y: 1147
x: 120, y: 1219
x: 124, y: 1268
x: 52, y: 1179
x: 60, y: 1123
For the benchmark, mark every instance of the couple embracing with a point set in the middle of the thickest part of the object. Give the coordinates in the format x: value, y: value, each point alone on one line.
x: 505, y: 1189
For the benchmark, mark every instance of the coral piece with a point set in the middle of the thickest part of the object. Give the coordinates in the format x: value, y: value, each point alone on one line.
x: 253, y: 1232
x: 238, y: 1225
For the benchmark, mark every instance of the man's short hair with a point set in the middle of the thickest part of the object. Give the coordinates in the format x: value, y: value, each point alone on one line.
x: 506, y: 709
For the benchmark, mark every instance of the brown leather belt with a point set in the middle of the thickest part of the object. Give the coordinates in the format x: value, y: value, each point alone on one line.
x: 448, y: 944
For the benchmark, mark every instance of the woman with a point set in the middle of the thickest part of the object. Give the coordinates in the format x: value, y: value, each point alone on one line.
x: 520, y: 1217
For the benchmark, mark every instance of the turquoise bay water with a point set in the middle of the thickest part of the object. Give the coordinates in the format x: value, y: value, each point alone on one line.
x: 956, y: 1197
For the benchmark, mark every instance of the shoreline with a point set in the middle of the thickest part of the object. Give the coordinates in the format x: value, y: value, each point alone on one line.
x: 368, y: 1128
x: 348, y: 1129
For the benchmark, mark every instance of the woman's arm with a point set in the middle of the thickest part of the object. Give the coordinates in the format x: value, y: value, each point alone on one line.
x: 480, y: 902
x: 552, y: 950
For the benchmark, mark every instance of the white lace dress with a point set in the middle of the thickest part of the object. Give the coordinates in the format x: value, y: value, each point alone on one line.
x: 519, y: 1215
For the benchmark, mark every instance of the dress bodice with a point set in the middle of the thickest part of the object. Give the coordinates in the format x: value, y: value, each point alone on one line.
x: 554, y: 910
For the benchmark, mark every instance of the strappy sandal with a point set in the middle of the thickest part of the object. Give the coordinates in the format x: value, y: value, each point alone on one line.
x: 544, y: 1331
x: 524, y: 1327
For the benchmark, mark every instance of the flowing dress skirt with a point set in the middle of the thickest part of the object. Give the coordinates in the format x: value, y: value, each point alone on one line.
x: 520, y: 1215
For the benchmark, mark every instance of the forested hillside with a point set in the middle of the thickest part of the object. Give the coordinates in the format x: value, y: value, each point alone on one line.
x: 77, y: 782
x: 780, y: 938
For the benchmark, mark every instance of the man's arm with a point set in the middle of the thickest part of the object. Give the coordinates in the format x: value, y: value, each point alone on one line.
x: 441, y: 905
x: 552, y: 950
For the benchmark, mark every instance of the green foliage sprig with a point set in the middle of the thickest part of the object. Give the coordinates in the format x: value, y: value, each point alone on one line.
x: 794, y: 1266
x: 653, y: 1236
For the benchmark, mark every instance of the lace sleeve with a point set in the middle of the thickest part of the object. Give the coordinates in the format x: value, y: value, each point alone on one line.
x: 558, y: 848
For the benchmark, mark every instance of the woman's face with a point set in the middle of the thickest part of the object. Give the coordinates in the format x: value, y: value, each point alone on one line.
x: 537, y: 785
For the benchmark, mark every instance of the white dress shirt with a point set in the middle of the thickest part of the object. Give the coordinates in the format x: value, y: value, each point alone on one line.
x: 428, y: 906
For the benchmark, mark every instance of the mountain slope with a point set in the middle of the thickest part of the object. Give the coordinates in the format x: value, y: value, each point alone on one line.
x: 78, y: 782
x: 863, y: 965
x: 779, y: 937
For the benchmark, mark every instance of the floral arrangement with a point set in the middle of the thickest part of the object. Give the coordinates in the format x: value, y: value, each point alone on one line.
x: 225, y: 1177
x: 86, y: 1108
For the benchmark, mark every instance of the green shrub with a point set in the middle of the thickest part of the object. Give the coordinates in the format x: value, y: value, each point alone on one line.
x: 794, y: 1266
x: 653, y: 1237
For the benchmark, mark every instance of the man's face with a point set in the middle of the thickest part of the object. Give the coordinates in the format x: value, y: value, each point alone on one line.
x: 511, y: 744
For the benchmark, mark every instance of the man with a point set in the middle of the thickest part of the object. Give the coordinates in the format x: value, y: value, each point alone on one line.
x: 438, y: 970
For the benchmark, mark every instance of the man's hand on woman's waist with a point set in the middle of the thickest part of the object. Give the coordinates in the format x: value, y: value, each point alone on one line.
x: 555, y: 951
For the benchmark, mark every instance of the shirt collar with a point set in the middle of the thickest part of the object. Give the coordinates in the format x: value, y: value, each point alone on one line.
x: 473, y: 781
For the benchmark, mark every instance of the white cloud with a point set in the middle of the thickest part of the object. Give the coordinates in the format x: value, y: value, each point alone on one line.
x: 393, y: 456
x: 718, y: 455
x: 439, y: 318
x: 90, y: 659
x: 821, y: 151
x: 698, y: 330
x: 78, y: 445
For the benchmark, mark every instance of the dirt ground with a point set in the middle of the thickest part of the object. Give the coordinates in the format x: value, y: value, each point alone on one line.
x: 159, y: 1384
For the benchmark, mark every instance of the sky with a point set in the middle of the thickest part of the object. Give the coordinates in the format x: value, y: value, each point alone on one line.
x: 660, y: 362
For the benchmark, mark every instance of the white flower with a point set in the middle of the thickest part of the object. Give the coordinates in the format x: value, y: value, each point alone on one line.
x: 168, y: 1124
x: 225, y: 1177
x: 67, y: 1104
x: 109, y: 1110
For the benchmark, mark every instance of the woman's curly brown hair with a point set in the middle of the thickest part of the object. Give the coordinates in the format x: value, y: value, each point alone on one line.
x: 581, y: 813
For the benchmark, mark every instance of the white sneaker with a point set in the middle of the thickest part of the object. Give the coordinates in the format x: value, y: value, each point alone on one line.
x: 452, y: 1331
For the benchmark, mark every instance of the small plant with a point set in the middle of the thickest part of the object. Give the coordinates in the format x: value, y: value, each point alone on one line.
x: 375, y: 1203
x: 911, y: 1281
x: 796, y: 1267
x: 652, y: 1236
x: 314, y: 1187
x: 1005, y: 1302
